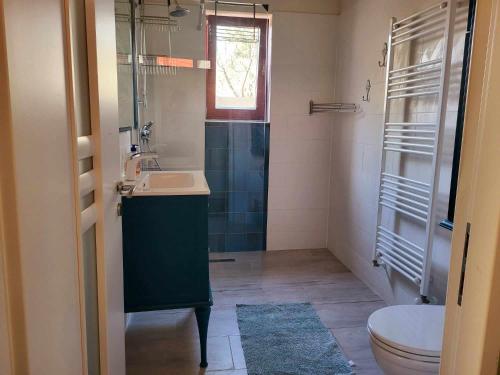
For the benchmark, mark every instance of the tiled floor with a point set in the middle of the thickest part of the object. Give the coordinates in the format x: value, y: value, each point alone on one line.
x: 166, y: 342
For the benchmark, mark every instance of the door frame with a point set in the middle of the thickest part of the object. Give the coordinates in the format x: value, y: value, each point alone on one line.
x: 472, y: 331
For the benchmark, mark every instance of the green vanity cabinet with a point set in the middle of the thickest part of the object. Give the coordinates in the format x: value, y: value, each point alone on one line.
x: 165, y: 256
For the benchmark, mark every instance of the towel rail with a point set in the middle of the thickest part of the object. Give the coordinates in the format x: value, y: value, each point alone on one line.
x: 419, y: 131
x: 418, y: 87
x: 410, y: 124
x: 393, y: 259
x: 395, y: 202
x: 414, y: 94
x: 411, y: 261
x: 404, y: 184
x: 418, y: 72
x: 439, y: 6
x: 400, y: 196
x: 417, y: 28
x: 419, y: 255
x: 332, y: 107
x: 415, y: 80
x: 419, y: 35
x: 408, y: 193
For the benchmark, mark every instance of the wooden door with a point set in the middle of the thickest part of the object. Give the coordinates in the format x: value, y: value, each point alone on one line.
x: 472, y: 327
x: 93, y: 103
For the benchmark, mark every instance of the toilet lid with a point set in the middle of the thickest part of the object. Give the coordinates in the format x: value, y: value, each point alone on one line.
x: 416, y: 329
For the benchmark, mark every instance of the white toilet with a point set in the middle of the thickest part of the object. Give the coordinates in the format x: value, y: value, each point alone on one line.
x: 407, y: 339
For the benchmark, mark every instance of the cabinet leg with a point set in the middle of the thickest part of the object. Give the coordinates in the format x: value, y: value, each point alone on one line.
x: 202, y: 318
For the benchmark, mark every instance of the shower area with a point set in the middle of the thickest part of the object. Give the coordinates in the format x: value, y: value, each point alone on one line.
x: 168, y: 68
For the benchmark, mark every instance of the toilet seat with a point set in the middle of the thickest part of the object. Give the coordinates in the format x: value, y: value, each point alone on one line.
x: 403, y: 354
x: 409, y: 331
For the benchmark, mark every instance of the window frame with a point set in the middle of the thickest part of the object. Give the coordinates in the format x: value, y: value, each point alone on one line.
x: 258, y: 114
x: 450, y: 217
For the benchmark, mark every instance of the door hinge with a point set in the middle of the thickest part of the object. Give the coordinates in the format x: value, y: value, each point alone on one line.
x: 464, y: 265
x: 119, y: 209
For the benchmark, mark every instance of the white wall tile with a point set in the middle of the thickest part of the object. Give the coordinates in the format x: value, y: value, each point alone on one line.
x: 303, y: 68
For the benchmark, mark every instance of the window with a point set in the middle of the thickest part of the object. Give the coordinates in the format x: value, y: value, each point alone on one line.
x: 448, y: 222
x: 236, y: 82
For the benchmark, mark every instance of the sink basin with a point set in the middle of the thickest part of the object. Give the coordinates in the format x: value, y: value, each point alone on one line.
x: 170, y: 180
x: 172, y: 183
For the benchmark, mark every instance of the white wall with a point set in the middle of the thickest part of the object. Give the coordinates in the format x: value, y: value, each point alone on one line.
x: 356, y: 147
x: 303, y: 68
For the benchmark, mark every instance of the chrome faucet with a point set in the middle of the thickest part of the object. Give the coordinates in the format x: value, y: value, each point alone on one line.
x: 133, y: 164
x: 145, y: 131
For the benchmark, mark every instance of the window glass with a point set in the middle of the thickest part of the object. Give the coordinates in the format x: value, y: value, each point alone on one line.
x: 237, y: 60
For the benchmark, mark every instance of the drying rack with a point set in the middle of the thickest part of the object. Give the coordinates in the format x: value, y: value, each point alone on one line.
x: 408, y: 198
x: 159, y: 23
x: 160, y: 64
x: 331, y: 107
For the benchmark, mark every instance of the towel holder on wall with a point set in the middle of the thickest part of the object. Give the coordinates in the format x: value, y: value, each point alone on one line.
x: 332, y: 107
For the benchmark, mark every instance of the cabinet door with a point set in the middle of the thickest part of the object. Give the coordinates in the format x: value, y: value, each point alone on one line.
x: 165, y: 252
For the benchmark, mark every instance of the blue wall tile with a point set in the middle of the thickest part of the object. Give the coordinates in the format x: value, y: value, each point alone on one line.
x: 254, y: 222
x: 236, y: 166
x: 237, y: 179
x: 216, y: 136
x: 239, y: 135
x: 216, y: 159
x: 217, y: 242
x: 256, y: 241
x: 255, y: 181
x: 255, y: 202
x: 258, y: 139
x: 217, y: 223
x: 256, y: 162
x: 217, y: 180
x: 237, y: 242
x: 217, y: 202
x: 237, y: 201
x: 236, y: 223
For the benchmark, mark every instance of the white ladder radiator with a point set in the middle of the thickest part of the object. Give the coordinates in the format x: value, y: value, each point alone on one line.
x: 401, y: 197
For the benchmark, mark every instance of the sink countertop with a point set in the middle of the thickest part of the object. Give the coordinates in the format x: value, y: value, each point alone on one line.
x: 170, y: 183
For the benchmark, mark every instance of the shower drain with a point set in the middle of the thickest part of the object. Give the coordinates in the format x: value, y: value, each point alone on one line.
x: 222, y: 260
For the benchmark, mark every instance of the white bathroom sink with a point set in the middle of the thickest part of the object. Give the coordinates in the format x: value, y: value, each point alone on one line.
x: 172, y: 183
x: 170, y: 180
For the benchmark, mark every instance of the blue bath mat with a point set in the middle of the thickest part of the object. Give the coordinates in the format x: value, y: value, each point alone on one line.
x: 288, y: 339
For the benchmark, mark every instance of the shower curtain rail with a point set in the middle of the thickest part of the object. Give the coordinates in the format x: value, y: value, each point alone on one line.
x: 402, y: 197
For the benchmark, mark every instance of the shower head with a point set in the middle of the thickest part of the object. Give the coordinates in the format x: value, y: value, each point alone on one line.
x: 179, y: 11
